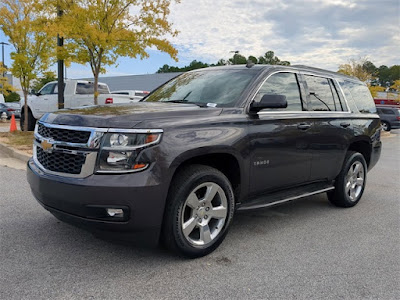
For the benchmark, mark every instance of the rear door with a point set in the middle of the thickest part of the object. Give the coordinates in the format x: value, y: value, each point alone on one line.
x: 280, y: 138
x: 332, y: 126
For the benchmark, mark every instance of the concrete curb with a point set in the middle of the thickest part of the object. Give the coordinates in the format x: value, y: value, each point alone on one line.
x: 14, y: 153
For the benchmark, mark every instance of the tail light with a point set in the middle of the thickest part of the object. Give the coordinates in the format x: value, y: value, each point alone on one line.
x: 109, y: 101
x: 398, y: 118
x: 10, y: 109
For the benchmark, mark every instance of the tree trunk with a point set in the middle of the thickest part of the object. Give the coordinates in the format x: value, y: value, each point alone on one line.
x: 95, y: 89
x: 25, y: 110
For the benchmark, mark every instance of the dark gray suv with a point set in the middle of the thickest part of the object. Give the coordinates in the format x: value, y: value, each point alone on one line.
x: 390, y: 116
x: 176, y: 166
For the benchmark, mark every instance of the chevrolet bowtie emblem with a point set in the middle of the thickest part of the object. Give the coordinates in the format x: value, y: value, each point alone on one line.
x: 46, y: 146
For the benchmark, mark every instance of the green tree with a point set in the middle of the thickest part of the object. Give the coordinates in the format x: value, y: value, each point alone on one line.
x: 370, y: 68
x: 97, y: 32
x: 388, y: 75
x: 21, y: 23
x: 253, y: 59
x: 44, y: 79
x: 237, y: 59
x: 269, y: 58
x: 12, y: 97
x: 192, y: 66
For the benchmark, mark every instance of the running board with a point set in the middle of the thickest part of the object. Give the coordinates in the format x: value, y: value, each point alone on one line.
x: 282, y: 197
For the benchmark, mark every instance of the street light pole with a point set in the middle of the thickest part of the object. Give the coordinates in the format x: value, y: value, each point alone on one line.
x: 2, y: 56
x: 234, y: 55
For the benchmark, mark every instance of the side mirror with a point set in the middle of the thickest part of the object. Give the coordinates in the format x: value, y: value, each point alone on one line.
x: 269, y: 101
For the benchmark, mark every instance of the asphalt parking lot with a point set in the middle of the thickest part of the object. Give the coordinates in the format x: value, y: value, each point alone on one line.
x: 306, y: 249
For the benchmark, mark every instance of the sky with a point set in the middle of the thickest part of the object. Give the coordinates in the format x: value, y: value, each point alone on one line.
x: 318, y: 33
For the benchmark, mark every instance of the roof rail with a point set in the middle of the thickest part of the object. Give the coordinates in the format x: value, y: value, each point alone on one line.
x: 323, y: 70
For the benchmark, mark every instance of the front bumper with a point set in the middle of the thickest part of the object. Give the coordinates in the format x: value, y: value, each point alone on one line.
x: 78, y: 202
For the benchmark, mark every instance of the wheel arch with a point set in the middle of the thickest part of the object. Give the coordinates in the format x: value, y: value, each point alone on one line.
x: 363, y: 146
x: 226, y: 161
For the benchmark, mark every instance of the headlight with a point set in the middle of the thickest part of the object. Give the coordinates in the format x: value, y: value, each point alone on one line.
x: 119, y: 151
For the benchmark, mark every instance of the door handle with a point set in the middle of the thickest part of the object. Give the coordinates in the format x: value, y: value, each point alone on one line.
x: 303, y: 126
x: 345, y: 124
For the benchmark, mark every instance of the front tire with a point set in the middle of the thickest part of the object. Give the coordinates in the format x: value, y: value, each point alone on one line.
x: 350, y: 183
x: 199, y: 211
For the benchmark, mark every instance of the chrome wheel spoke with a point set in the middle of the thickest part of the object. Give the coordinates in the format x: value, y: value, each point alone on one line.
x: 205, y: 234
x: 192, y: 201
x: 359, y: 181
x: 188, y: 226
x: 352, y: 194
x: 357, y: 168
x: 347, y: 187
x: 212, y: 190
x: 218, y: 212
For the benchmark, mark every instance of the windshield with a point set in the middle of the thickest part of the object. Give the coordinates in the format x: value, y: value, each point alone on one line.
x: 205, y: 88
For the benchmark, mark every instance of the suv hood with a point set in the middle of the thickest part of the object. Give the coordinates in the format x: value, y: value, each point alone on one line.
x: 126, y: 115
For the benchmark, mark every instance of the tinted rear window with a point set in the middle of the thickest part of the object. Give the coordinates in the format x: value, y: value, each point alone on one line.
x: 360, y: 95
x: 88, y: 88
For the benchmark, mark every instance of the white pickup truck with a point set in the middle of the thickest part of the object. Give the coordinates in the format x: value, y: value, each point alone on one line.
x: 77, y: 93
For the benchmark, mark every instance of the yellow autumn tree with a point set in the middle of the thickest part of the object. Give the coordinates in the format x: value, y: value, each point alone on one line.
x: 21, y: 23
x: 375, y: 89
x: 355, y: 68
x: 97, y: 32
x: 5, y: 87
x: 396, y: 88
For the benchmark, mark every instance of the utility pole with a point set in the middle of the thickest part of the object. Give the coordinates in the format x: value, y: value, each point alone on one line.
x: 60, y: 68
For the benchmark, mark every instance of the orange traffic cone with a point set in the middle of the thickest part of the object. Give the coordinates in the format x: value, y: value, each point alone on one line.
x: 13, y: 126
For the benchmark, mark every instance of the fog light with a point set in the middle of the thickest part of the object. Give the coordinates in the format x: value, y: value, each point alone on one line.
x: 115, y: 212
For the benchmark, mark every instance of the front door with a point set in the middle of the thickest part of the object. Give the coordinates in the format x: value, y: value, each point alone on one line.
x: 280, y: 138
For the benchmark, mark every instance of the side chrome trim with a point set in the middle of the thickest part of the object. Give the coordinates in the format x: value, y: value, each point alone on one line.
x: 247, y: 107
x: 286, y: 200
x: 79, y: 128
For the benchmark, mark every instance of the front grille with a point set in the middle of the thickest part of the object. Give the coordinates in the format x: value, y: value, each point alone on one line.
x: 64, y: 135
x: 60, y: 162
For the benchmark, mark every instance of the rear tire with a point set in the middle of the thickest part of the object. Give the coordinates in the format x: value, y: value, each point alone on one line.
x: 31, y: 121
x: 199, y: 211
x: 386, y: 126
x: 350, y: 183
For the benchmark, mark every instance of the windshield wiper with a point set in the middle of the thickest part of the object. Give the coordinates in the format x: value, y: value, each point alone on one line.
x: 200, y: 104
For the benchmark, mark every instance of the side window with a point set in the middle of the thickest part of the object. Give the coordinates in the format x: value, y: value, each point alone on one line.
x: 56, y: 89
x: 360, y: 95
x: 47, y: 89
x: 282, y: 84
x: 387, y: 111
x: 338, y: 104
x: 320, y: 92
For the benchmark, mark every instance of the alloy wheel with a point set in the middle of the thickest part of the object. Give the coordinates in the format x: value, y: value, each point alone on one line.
x: 355, y: 181
x: 204, y: 213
